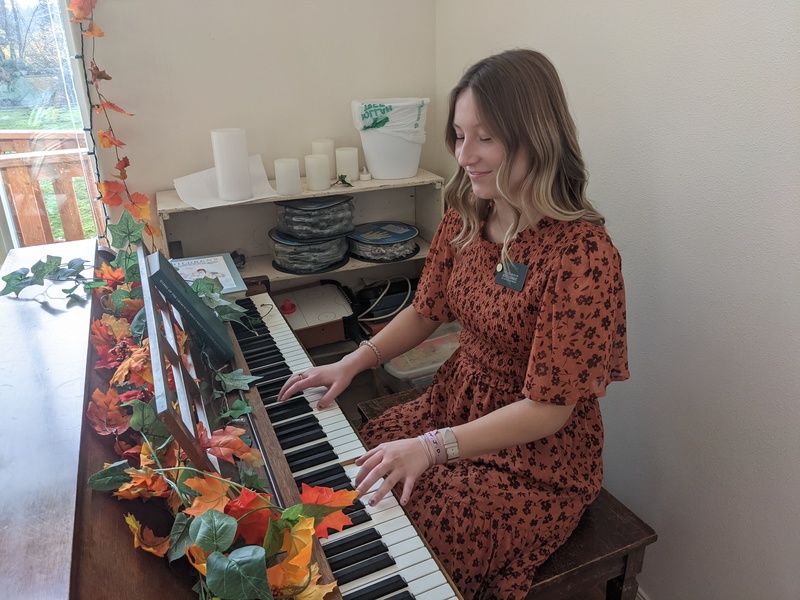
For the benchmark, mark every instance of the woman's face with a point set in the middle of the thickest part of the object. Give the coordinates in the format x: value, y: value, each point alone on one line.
x: 478, y: 153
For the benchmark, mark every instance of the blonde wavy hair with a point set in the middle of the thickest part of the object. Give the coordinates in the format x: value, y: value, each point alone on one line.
x: 521, y: 103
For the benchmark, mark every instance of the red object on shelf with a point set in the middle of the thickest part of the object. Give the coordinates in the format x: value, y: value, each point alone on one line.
x: 287, y: 307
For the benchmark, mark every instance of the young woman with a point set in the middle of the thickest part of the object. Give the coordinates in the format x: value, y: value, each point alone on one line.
x: 498, y: 459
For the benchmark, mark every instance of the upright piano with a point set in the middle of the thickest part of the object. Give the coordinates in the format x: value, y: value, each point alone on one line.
x: 381, y: 556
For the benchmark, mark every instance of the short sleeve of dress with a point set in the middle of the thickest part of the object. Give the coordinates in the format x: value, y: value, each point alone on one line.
x: 579, y: 343
x: 431, y: 298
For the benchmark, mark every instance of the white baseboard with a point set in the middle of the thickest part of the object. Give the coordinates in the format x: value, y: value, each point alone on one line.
x: 640, y: 595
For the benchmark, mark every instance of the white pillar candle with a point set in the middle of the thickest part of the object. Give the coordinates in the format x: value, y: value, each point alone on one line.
x: 326, y: 147
x: 347, y: 163
x: 287, y: 176
x: 232, y: 164
x: 317, y: 172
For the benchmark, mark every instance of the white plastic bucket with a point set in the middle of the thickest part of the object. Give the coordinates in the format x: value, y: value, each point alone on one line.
x: 390, y: 156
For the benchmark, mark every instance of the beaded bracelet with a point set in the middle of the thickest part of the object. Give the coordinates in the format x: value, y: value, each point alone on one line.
x: 378, y: 357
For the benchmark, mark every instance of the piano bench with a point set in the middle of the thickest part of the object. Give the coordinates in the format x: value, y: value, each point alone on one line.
x: 603, y: 555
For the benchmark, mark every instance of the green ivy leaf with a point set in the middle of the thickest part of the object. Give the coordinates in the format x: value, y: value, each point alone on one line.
x: 236, y: 380
x: 44, y: 268
x: 129, y: 263
x: 249, y: 478
x: 239, y: 576
x: 179, y: 537
x: 207, y: 285
x: 139, y: 324
x: 273, y: 540
x: 16, y: 281
x: 111, y: 477
x: 228, y: 311
x: 146, y: 421
x: 213, y: 531
x: 126, y: 231
x: 237, y: 409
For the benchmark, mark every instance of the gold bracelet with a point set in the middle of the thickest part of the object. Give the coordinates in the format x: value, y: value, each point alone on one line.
x: 378, y: 357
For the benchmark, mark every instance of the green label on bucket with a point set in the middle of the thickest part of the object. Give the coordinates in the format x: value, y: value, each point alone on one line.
x: 377, y: 112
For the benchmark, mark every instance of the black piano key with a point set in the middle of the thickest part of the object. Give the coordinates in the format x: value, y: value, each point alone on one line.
x: 359, y: 517
x: 354, y: 507
x: 353, y: 541
x: 270, y: 371
x: 356, y: 555
x: 326, y: 481
x: 299, y: 460
x: 296, y: 425
x: 293, y: 441
x: 320, y: 474
x: 290, y: 408
x: 363, y: 568
x: 379, y: 589
x: 272, y: 354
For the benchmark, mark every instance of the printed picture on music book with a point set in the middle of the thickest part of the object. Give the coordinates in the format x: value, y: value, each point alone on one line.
x: 191, y: 307
x: 212, y: 265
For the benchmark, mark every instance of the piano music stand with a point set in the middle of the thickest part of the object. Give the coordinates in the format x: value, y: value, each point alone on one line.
x: 182, y: 409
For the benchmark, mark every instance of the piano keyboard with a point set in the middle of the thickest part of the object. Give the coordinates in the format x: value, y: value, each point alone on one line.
x: 380, y: 556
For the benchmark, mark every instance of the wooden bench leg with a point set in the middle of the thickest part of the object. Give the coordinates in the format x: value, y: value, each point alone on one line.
x: 625, y: 586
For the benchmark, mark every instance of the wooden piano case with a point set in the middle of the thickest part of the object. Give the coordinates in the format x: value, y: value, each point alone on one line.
x: 105, y: 562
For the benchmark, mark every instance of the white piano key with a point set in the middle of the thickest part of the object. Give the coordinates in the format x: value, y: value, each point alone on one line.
x: 433, y: 586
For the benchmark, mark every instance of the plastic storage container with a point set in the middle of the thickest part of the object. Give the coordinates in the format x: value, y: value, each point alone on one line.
x: 392, y: 133
x: 315, y: 218
x: 303, y: 257
x: 417, y: 366
x: 383, y: 241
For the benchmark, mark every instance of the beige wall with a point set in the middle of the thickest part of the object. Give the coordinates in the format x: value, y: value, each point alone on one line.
x: 690, y: 125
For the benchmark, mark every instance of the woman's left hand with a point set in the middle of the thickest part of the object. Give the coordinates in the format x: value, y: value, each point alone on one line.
x: 399, y: 461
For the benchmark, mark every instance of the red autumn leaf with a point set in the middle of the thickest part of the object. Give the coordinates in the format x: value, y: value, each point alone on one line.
x: 122, y: 166
x: 81, y: 9
x: 100, y: 336
x: 253, y: 527
x: 110, y: 192
x: 98, y: 73
x: 94, y: 31
x: 213, y: 495
x: 107, y: 139
x: 114, y: 107
x: 226, y: 443
x: 106, y: 414
x: 139, y: 207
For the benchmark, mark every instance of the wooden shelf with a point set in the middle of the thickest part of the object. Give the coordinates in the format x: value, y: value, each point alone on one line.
x: 168, y: 201
x: 261, y: 265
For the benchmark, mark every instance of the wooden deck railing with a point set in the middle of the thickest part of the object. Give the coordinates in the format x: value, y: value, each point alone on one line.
x: 28, y: 158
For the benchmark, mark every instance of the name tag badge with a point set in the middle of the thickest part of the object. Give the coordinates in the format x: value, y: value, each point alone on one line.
x: 512, y: 275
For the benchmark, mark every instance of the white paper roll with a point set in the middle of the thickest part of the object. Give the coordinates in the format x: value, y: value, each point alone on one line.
x: 347, y: 163
x: 326, y: 147
x: 317, y: 172
x: 287, y: 176
x: 232, y: 164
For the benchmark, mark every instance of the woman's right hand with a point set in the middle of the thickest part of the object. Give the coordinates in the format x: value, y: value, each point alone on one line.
x: 336, y: 377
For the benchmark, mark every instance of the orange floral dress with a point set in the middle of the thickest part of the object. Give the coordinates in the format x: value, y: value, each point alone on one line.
x: 561, y: 340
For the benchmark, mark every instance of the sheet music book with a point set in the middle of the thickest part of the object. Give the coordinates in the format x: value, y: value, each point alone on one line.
x: 212, y: 265
x: 199, y: 317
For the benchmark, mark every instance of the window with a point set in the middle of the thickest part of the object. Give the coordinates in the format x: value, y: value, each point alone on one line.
x: 44, y: 165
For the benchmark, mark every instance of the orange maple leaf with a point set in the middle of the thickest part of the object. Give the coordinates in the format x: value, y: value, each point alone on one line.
x: 213, y: 495
x: 81, y: 9
x: 106, y: 414
x: 111, y: 106
x: 107, y: 139
x: 97, y: 73
x: 121, y: 166
x: 139, y: 207
x: 119, y: 328
x: 315, y: 591
x: 152, y: 230
x: 146, y: 539
x: 297, y: 542
x: 113, y: 277
x: 136, y: 369
x: 110, y: 192
x: 226, y: 443
x: 94, y: 31
x: 326, y: 496
x: 197, y: 557
x: 144, y: 484
x: 254, y: 513
x: 99, y: 334
x: 131, y: 306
